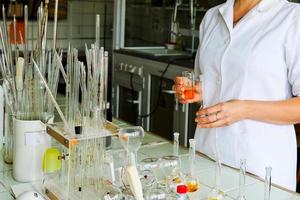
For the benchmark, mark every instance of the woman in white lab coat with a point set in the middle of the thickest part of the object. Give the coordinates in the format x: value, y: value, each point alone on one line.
x: 249, y: 59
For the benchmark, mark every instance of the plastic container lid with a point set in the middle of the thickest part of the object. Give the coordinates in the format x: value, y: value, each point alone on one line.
x: 182, y: 189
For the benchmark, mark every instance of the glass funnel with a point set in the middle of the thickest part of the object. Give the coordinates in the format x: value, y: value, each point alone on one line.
x: 131, y: 139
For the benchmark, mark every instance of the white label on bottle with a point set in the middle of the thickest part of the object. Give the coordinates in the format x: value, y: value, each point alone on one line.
x: 36, y: 138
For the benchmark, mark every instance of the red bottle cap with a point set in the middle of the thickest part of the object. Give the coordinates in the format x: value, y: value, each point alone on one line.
x: 182, y: 189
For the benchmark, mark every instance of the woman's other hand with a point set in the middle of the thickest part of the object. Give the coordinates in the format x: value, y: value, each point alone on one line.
x: 180, y: 86
x: 222, y: 114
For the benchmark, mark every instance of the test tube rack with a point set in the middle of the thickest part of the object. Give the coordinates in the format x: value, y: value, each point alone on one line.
x: 82, y: 164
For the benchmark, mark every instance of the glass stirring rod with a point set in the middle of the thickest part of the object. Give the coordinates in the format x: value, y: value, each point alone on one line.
x: 268, y: 183
x: 242, y: 180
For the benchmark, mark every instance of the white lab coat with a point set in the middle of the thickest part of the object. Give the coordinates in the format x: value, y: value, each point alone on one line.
x: 258, y: 59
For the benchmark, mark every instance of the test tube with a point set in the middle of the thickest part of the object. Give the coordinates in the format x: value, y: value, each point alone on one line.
x: 268, y: 183
x: 110, y: 162
x: 218, y: 169
x: 192, y: 156
x: 176, y: 144
x: 189, y: 90
x: 215, y: 193
x: 242, y: 180
x: 191, y: 179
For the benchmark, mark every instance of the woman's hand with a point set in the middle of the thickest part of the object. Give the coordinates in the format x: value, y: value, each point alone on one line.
x: 179, y: 87
x: 222, y: 114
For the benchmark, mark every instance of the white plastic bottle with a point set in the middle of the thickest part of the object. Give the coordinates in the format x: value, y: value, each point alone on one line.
x: 182, y: 191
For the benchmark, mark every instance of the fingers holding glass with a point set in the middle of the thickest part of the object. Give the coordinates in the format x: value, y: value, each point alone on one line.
x: 187, y: 88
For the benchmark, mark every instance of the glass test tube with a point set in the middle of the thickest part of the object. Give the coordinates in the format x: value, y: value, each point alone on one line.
x: 192, y: 180
x: 242, y: 180
x: 189, y: 90
x: 268, y: 183
x: 192, y: 156
x: 215, y: 193
x: 176, y: 144
x: 218, y: 174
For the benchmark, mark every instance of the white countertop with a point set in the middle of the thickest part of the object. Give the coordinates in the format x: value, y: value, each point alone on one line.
x: 204, y: 171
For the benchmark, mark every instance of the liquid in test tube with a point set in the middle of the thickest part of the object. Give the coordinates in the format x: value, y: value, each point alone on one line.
x: 192, y: 181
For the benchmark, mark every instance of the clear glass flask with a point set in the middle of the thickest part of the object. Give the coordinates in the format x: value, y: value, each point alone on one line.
x: 242, y: 180
x: 268, y: 183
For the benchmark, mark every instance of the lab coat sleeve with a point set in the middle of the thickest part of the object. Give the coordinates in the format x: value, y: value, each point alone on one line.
x: 292, y: 55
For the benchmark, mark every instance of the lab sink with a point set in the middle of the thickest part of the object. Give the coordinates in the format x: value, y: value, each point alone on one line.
x: 156, y: 51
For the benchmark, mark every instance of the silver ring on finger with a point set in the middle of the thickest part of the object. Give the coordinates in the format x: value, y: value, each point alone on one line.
x: 217, y: 116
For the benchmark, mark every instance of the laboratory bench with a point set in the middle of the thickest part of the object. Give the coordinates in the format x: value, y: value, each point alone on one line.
x: 156, y: 146
x: 186, y: 61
